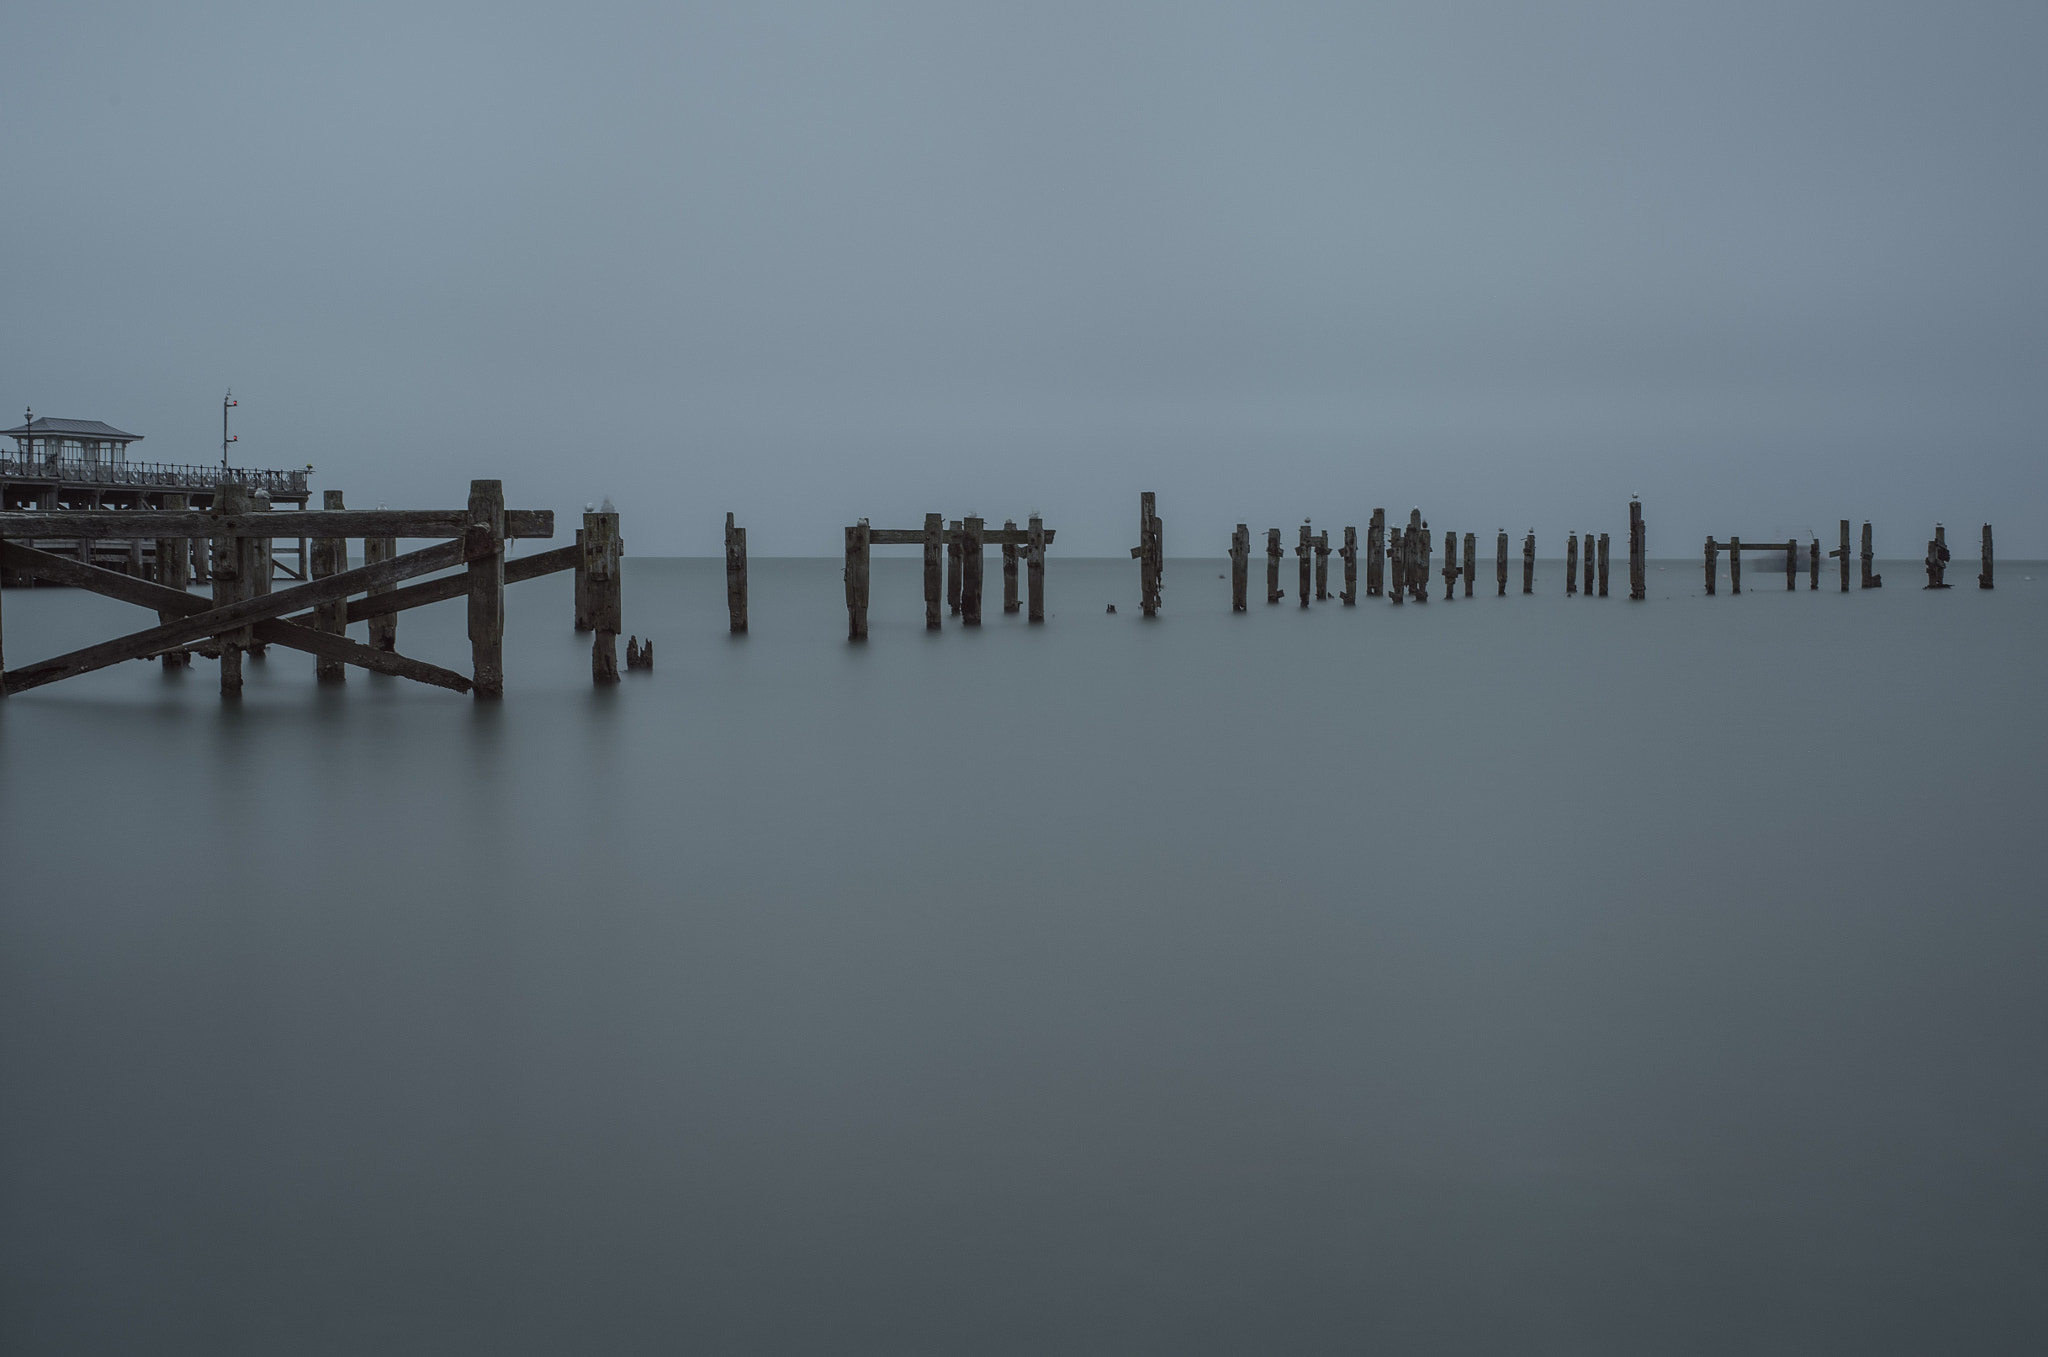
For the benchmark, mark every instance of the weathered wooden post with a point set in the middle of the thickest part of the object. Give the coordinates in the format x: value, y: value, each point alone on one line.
x: 1813, y: 564
x: 1843, y: 552
x: 602, y: 548
x: 735, y: 576
x: 953, y: 567
x: 1376, y: 554
x: 1638, y: 552
x: 331, y: 618
x: 1500, y: 564
x: 970, y: 573
x: 1713, y: 563
x: 484, y: 548
x: 1273, y: 594
x: 1349, y: 553
x: 1419, y: 552
x: 1588, y: 588
x: 1603, y: 565
x: 934, y: 547
x: 1937, y: 559
x: 1734, y: 565
x: 1240, y: 567
x: 1034, y: 571
x: 1450, y: 566
x: 174, y: 571
x: 1571, y: 565
x: 1010, y: 603
x: 1529, y: 562
x: 1397, y: 562
x: 1984, y: 579
x: 384, y: 626
x: 1322, y: 545
x: 1150, y: 553
x: 583, y: 595
x: 256, y: 578
x: 1870, y: 580
x: 1301, y: 552
x: 857, y: 581
x: 229, y: 501
x: 1791, y: 565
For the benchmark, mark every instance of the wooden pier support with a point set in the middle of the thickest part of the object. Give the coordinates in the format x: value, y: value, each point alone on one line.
x: 1571, y: 565
x: 735, y: 577
x: 1603, y: 565
x: 1451, y: 571
x: 484, y: 546
x: 228, y: 581
x: 1813, y: 565
x: 1471, y: 561
x: 1010, y: 602
x: 1349, y: 553
x: 1843, y: 552
x: 1529, y: 562
x: 1500, y: 564
x: 1240, y: 567
x: 934, y: 569
x: 1273, y: 593
x: 1937, y: 559
x: 1734, y: 565
x: 1588, y: 587
x: 1638, y: 553
x: 1397, y: 566
x: 174, y: 571
x: 330, y: 557
x: 970, y: 572
x: 601, y: 551
x: 1791, y: 565
x: 1322, y: 545
x: 383, y: 626
x: 1713, y: 564
x: 1151, y: 553
x: 1420, y: 549
x: 1870, y: 580
x: 1034, y: 570
x: 583, y: 622
x: 953, y: 567
x: 1376, y: 554
x: 856, y: 577
x: 1984, y: 579
x: 1302, y: 552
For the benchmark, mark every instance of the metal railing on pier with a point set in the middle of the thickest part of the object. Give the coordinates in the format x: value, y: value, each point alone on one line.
x: 80, y: 471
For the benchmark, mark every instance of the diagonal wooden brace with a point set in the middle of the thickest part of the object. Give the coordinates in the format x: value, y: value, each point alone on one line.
x: 213, y: 621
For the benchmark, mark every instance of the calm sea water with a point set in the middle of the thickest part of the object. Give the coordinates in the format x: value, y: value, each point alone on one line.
x: 1510, y: 975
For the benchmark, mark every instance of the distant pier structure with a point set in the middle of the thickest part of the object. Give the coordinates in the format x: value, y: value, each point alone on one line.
x: 84, y: 466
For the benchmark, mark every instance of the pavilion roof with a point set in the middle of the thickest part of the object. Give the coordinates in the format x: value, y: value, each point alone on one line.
x: 72, y: 428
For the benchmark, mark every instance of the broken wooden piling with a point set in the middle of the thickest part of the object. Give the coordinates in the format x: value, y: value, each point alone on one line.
x: 970, y: 572
x: 484, y: 548
x: 1302, y: 552
x: 1529, y: 562
x: 1376, y: 554
x: 1937, y: 559
x: 1813, y: 565
x: 1034, y: 569
x: 174, y: 571
x: 228, y: 578
x: 1397, y: 565
x: 1240, y: 567
x: 1603, y: 565
x: 1471, y: 561
x: 383, y: 626
x: 1150, y: 553
x: 1984, y: 579
x: 934, y: 546
x: 1273, y: 594
x: 1500, y: 564
x: 1871, y: 579
x: 1791, y: 565
x: 1450, y: 571
x: 1349, y: 553
x: 856, y: 577
x: 953, y: 567
x: 330, y: 557
x: 735, y: 576
x: 602, y: 548
x: 1571, y: 565
x: 582, y: 606
x: 1010, y: 601
x: 1638, y: 552
x: 1322, y: 546
x: 1843, y: 552
x: 1734, y: 565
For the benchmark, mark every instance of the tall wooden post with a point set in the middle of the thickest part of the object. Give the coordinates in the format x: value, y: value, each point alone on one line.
x: 1871, y: 579
x: 602, y: 548
x: 329, y: 559
x: 1713, y: 564
x: 1588, y: 590
x: 1301, y: 552
x: 1529, y: 562
x: 583, y: 605
x: 735, y: 577
x: 1845, y: 553
x: 384, y: 626
x: 1034, y: 571
x: 1638, y: 553
x: 1376, y: 554
x: 1397, y: 566
x: 1571, y: 565
x: 1792, y: 565
x: 1273, y: 594
x: 953, y: 567
x: 1450, y: 566
x: 1937, y: 559
x: 1984, y: 579
x: 857, y: 581
x: 1603, y: 565
x: 1240, y: 567
x: 1010, y: 603
x: 1813, y: 565
x: 1471, y: 561
x: 1416, y: 564
x: 174, y: 571
x: 231, y: 499
x: 1349, y: 551
x: 1151, y: 553
x: 1734, y: 565
x: 970, y: 571
x: 1500, y: 564
x: 934, y: 569
x: 484, y: 546
x: 256, y: 573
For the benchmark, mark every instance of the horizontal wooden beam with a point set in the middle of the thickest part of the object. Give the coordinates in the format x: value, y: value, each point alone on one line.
x: 455, y: 586
x: 293, y: 523
x: 1748, y: 545
x: 218, y: 621
x: 990, y: 537
x: 277, y: 631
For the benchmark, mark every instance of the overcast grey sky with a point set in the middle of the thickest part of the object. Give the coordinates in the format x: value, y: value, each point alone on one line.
x: 1769, y: 264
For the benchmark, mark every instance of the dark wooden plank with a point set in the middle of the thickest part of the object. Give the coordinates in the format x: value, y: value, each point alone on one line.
x: 735, y: 577
x: 341, y: 649
x: 486, y: 587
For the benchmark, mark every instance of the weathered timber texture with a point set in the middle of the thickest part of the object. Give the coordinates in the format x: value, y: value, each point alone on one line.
x: 856, y: 577
x: 1588, y: 590
x: 1734, y: 565
x: 970, y: 571
x: 1397, y: 566
x: 484, y: 548
x: 1376, y: 554
x: 1937, y: 559
x: 1571, y: 565
x: 174, y: 571
x: 933, y: 540
x: 1240, y: 567
x: 1451, y: 570
x: 1010, y: 600
x: 602, y: 549
x: 1813, y: 564
x: 385, y: 601
x: 1500, y: 564
x: 1322, y: 545
x: 1638, y: 553
x: 953, y: 567
x: 735, y: 578
x: 1603, y: 565
x: 1529, y: 563
x: 1150, y: 553
x: 1713, y: 564
x: 384, y: 621
x: 1471, y: 561
x: 1870, y: 580
x: 1302, y: 552
x: 229, y: 588
x: 583, y: 622
x: 1791, y: 566
x: 1273, y: 592
x: 1984, y: 578
x: 1844, y: 552
x: 1036, y: 535
x: 330, y: 557
x: 1349, y: 552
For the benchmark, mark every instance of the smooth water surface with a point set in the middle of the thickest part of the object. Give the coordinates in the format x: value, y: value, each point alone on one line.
x: 1517, y: 975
